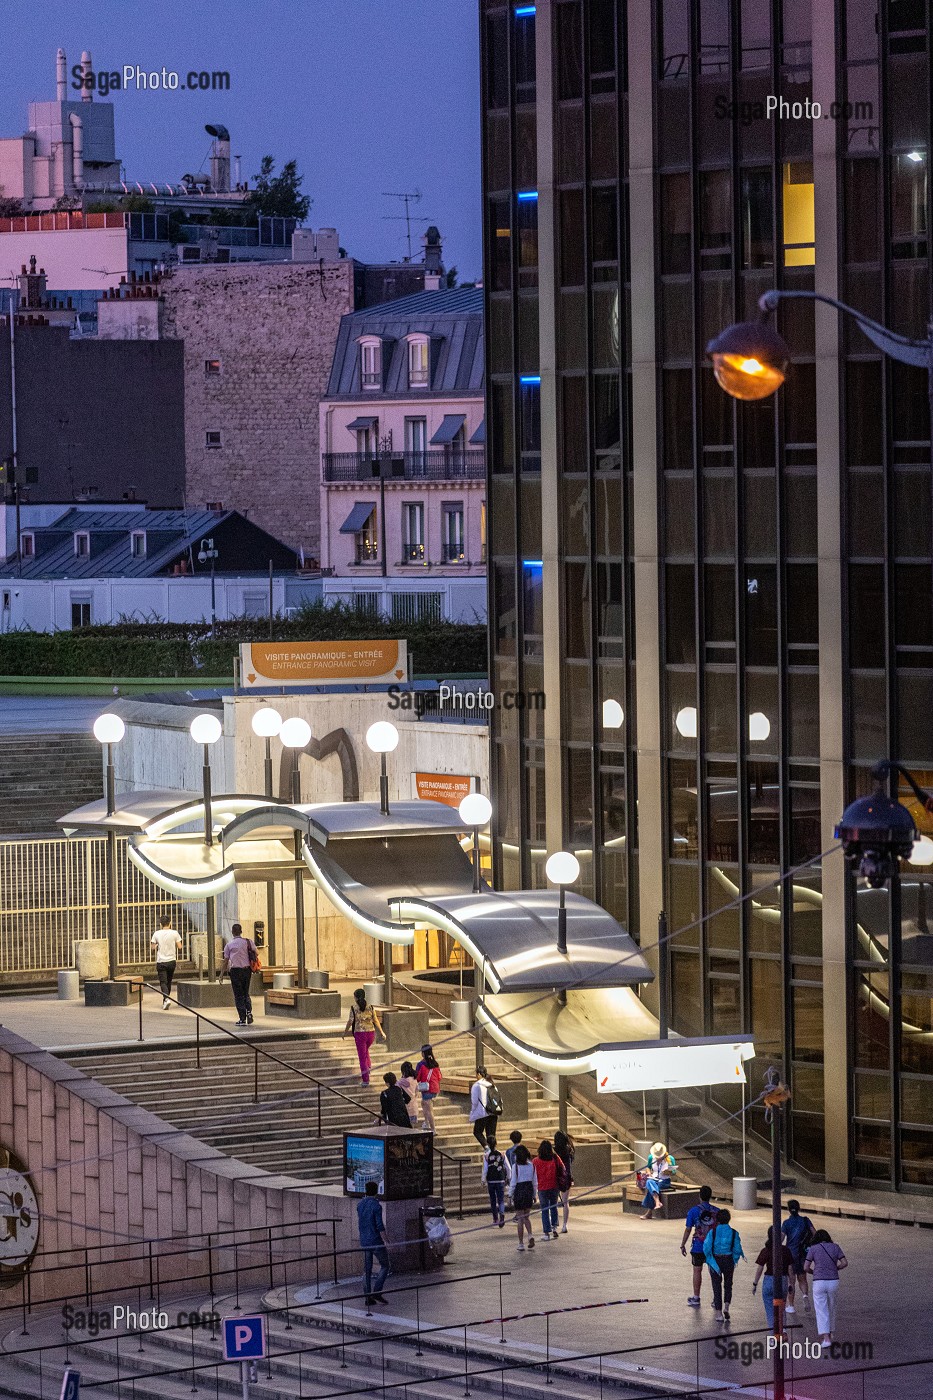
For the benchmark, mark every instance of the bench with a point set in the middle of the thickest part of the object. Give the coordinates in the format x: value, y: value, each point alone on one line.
x: 677, y: 1200
x: 303, y: 1005
x: 514, y: 1093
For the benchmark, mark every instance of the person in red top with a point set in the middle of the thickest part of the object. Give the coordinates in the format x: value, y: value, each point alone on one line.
x: 547, y: 1164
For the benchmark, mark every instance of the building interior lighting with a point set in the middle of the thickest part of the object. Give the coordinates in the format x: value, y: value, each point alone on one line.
x: 759, y: 726
x: 527, y: 195
x: 915, y: 156
x: 524, y: 11
x: 921, y: 852
x: 529, y: 379
x: 613, y: 715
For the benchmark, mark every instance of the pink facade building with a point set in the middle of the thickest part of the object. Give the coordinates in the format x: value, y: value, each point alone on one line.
x: 403, y: 466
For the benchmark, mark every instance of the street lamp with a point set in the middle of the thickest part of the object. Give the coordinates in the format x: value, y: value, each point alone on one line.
x: 109, y: 730
x: 562, y: 868
x: 750, y: 360
x: 382, y: 738
x: 207, y: 551
x: 267, y: 723
x: 295, y: 734
x: 475, y: 811
x: 206, y: 730
x: 876, y: 831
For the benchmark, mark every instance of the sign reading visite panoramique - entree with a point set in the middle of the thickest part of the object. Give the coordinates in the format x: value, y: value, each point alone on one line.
x: 322, y: 663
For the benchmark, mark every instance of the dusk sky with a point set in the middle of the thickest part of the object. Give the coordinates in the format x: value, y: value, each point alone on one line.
x: 367, y: 95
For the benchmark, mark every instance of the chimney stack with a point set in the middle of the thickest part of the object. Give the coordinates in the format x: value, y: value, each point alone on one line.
x: 61, y: 76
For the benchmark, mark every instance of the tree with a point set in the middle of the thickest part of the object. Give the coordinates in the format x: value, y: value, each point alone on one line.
x: 451, y: 278
x: 10, y: 208
x: 279, y: 195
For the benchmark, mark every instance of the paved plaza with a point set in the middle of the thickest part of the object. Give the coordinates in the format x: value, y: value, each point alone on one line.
x: 607, y: 1256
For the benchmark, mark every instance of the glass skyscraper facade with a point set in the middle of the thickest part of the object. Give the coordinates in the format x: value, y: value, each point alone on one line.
x: 728, y: 605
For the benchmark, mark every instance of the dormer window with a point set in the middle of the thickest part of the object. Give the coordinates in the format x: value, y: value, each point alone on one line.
x: 138, y: 544
x: 82, y: 544
x: 27, y: 545
x: 371, y: 363
x: 418, y: 361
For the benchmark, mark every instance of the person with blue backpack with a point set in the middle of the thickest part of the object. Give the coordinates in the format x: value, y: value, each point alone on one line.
x: 798, y: 1231
x: 722, y: 1250
x: 700, y: 1219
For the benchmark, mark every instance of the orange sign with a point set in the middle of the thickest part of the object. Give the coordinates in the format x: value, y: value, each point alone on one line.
x: 449, y: 788
x: 322, y: 663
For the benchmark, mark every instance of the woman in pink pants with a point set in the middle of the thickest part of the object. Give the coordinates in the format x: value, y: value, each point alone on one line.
x: 365, y: 1024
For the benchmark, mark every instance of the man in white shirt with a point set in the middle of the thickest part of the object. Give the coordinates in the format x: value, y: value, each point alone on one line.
x: 166, y: 942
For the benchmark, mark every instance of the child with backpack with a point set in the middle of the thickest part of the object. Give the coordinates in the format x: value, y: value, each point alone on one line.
x: 497, y: 1173
x: 798, y: 1231
x: 700, y: 1219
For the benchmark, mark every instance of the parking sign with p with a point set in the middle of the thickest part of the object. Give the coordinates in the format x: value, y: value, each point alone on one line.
x: 244, y: 1338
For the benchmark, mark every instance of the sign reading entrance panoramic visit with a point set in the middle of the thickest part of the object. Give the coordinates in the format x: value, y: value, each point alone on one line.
x: 292, y: 664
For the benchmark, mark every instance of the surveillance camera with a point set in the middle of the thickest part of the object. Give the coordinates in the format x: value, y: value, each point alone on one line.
x: 202, y: 557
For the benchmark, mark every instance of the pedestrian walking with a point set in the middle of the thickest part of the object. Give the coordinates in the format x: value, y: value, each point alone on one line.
x: 485, y: 1108
x: 722, y: 1250
x: 428, y: 1076
x: 700, y: 1219
x: 497, y: 1173
x: 239, y: 957
x: 365, y: 1024
x: 522, y: 1194
x: 765, y: 1262
x: 167, y: 943
x: 566, y: 1151
x: 393, y: 1103
x: 798, y: 1231
x: 825, y: 1261
x: 408, y: 1083
x: 547, y: 1165
x: 515, y: 1138
x: 374, y: 1243
x: 658, y: 1178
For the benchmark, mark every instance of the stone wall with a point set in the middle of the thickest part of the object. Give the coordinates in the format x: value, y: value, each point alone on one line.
x: 273, y: 328
x: 107, y: 1173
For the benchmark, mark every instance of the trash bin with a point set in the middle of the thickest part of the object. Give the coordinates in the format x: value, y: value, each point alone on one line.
x: 375, y: 993
x: 320, y: 981
x: 461, y: 1015
x: 283, y: 981
x: 68, y: 985
x: 436, y: 1231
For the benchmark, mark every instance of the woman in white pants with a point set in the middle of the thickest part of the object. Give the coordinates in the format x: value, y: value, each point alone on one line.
x: 823, y: 1262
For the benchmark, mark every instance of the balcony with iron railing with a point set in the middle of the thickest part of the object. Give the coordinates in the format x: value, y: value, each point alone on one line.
x: 452, y: 464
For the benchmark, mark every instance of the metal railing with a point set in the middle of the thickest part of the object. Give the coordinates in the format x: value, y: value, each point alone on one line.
x: 468, y: 463
x: 258, y: 1050
x: 53, y: 893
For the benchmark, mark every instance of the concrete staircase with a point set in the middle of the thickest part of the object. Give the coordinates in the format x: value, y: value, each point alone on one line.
x: 43, y: 776
x: 280, y: 1134
x: 376, y: 1349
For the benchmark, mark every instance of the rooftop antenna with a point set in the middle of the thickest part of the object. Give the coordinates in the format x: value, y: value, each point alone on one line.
x: 412, y: 197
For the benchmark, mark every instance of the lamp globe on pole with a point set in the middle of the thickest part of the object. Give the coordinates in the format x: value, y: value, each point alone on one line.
x: 266, y: 724
x: 109, y: 729
x: 750, y: 360
x: 295, y: 734
x: 562, y: 869
x: 876, y: 832
x: 382, y: 738
x: 475, y: 810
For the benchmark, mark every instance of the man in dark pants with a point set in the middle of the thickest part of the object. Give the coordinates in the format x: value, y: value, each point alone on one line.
x: 373, y: 1242
x: 238, y: 954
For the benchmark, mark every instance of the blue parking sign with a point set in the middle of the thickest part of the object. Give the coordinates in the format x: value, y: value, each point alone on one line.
x: 71, y: 1385
x: 244, y: 1338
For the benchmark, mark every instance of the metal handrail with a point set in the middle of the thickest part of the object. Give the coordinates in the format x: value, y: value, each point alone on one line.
x: 303, y: 1074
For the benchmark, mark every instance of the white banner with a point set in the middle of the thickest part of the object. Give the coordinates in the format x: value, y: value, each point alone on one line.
x: 682, y: 1065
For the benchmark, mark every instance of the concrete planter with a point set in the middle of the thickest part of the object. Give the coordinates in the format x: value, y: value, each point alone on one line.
x: 406, y: 1029
x: 203, y: 995
x: 102, y: 993
x: 308, y: 1006
x: 92, y: 958
x: 592, y: 1164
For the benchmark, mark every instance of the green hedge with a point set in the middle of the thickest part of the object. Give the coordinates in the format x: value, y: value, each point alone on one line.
x: 186, y: 649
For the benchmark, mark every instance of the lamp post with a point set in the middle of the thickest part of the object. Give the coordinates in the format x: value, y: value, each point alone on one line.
x: 109, y: 730
x: 562, y: 868
x: 475, y: 811
x: 207, y: 551
x: 775, y: 1097
x: 382, y: 738
x: 267, y: 723
x: 206, y: 730
x: 294, y: 734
